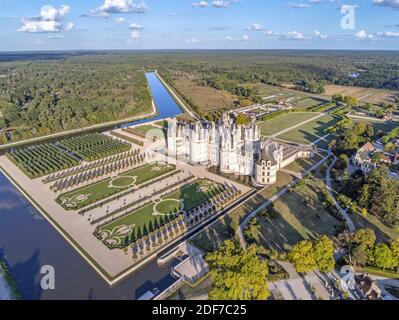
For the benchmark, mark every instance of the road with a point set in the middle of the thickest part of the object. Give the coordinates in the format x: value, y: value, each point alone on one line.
x: 344, y: 213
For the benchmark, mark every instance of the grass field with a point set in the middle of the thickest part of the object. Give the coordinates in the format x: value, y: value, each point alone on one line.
x: 184, y: 199
x: 301, y: 215
x: 207, y: 99
x: 382, y: 231
x: 213, y: 237
x: 302, y: 165
x: 379, y: 126
x: 274, y: 126
x: 92, y: 193
x: 364, y: 94
x: 297, y: 99
x: 311, y: 131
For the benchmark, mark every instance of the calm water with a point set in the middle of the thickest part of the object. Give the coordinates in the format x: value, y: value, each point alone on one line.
x: 28, y: 241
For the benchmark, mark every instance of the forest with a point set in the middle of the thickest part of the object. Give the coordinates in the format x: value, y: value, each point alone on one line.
x: 47, y: 96
x: 45, y: 93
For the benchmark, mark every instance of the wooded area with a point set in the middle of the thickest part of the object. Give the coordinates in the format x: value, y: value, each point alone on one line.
x: 43, y: 97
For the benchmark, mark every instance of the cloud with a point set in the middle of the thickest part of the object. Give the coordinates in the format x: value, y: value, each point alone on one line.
x: 295, y: 5
x: 255, y: 27
x: 243, y: 38
x: 192, y: 40
x: 119, y: 6
x: 387, y: 3
x: 320, y: 35
x: 201, y: 4
x: 387, y: 34
x: 363, y: 35
x: 120, y: 21
x: 322, y: 1
x: 135, y: 26
x: 135, y: 34
x: 292, y: 35
x: 50, y: 19
x: 222, y: 3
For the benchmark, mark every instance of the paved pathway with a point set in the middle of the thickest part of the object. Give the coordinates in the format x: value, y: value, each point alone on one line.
x: 344, y: 213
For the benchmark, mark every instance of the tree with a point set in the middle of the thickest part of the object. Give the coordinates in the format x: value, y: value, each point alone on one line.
x: 343, y: 162
x: 364, y: 238
x: 302, y: 256
x: 242, y: 119
x: 324, y: 254
x: 237, y: 274
x: 245, y: 103
x: 350, y: 101
x: 395, y: 252
x: 337, y: 98
x: 383, y: 256
x: 252, y: 229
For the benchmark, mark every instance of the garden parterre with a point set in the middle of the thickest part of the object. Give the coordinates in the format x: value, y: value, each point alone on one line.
x: 157, y: 213
x: 92, y: 193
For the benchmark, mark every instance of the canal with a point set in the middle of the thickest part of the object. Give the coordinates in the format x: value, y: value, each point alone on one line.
x: 28, y: 242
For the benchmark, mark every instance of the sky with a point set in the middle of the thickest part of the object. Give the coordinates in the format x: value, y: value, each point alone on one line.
x: 31, y: 25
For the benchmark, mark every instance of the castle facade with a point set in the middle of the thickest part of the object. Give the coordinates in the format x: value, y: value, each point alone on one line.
x: 235, y: 149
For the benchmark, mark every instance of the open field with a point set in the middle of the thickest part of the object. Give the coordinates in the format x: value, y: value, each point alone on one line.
x: 364, y: 94
x: 303, y: 164
x: 151, y: 215
x: 311, y: 131
x: 274, y: 126
x: 213, y: 237
x: 208, y: 99
x: 92, y: 193
x: 300, y: 215
x: 382, y: 231
x: 297, y: 99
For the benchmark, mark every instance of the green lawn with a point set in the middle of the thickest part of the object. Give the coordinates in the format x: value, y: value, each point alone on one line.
x: 274, y: 126
x: 298, y: 219
x: 195, y: 193
x: 310, y: 131
x: 384, y: 126
x: 92, y: 193
x: 304, y: 164
x: 382, y: 231
x: 295, y: 221
x: 190, y: 196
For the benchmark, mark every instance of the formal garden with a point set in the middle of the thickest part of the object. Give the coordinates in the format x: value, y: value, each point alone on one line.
x: 94, y: 146
x: 167, y: 216
x: 100, y: 190
x: 41, y: 160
